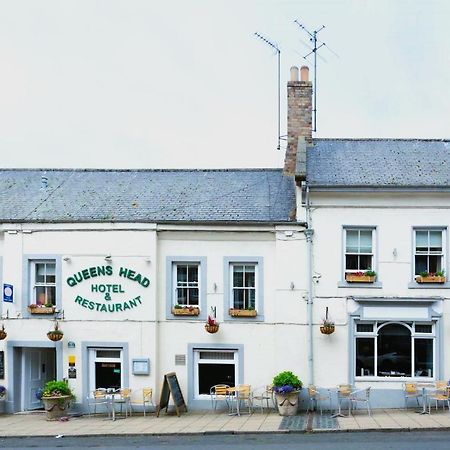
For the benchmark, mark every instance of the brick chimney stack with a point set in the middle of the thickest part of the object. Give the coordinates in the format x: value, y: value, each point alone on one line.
x: 299, y: 121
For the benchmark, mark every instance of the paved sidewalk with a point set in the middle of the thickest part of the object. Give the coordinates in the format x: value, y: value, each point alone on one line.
x: 35, y: 424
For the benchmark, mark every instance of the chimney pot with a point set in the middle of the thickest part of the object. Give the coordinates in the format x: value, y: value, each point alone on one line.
x: 294, y: 73
x: 304, y: 73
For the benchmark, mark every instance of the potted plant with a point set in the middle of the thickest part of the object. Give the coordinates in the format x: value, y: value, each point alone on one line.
x: 3, y: 333
x: 431, y: 277
x: 48, y: 308
x: 185, y: 310
x: 212, y: 326
x: 327, y: 326
x: 2, y: 399
x: 367, y: 276
x: 56, y: 396
x: 286, y: 386
x: 250, y: 311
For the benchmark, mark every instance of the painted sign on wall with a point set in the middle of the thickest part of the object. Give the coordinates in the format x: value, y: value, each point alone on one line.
x: 108, y: 288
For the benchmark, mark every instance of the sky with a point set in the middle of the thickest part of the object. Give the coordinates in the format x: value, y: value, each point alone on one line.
x: 187, y: 84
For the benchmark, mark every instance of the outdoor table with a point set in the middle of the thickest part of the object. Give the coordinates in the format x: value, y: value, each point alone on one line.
x: 339, y: 399
x: 425, y: 385
x: 111, y: 395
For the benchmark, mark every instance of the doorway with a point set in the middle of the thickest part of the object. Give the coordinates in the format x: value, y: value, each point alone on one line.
x: 38, y: 365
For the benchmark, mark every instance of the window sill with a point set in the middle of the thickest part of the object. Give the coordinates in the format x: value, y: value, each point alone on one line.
x: 415, y: 285
x: 374, y: 285
x: 373, y: 378
x: 257, y: 318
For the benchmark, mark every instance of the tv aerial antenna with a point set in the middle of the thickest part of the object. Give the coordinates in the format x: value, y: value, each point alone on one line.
x: 314, y: 40
x: 278, y: 53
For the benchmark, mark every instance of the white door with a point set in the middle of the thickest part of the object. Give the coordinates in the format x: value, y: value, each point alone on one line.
x: 38, y: 368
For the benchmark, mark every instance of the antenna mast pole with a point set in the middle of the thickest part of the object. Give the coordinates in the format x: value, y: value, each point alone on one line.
x: 278, y: 51
x: 313, y: 39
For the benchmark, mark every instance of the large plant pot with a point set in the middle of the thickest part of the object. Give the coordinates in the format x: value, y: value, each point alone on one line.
x: 56, y: 407
x: 287, y: 403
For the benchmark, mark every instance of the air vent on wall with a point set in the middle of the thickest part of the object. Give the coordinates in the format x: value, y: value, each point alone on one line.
x: 180, y: 360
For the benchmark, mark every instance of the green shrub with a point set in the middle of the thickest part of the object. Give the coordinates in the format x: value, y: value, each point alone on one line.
x: 287, y: 378
x: 56, y: 389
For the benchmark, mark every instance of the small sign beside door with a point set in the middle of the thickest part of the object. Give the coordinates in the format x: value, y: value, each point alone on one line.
x: 8, y: 293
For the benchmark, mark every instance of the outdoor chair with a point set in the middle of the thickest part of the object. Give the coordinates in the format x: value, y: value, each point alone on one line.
x: 146, y: 400
x: 343, y: 394
x: 98, y: 398
x: 244, y: 396
x: 219, y: 392
x: 124, y: 399
x: 262, y: 394
x: 360, y: 396
x: 410, y: 390
x: 316, y: 398
x: 441, y: 394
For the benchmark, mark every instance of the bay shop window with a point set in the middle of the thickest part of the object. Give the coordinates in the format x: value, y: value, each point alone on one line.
x: 394, y: 349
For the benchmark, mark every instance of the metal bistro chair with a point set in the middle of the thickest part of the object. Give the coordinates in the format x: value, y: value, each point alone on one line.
x: 316, y: 397
x: 219, y: 392
x: 98, y: 397
x: 244, y: 395
x: 441, y: 394
x: 125, y: 400
x: 360, y: 396
x: 262, y: 394
x: 343, y: 394
x: 410, y: 390
x: 145, y: 400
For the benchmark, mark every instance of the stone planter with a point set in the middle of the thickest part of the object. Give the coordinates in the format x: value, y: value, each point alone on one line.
x: 350, y: 278
x: 242, y: 312
x: 56, y: 407
x: 287, y: 403
x: 430, y: 279
x: 192, y: 311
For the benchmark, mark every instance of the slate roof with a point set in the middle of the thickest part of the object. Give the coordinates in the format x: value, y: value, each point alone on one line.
x: 233, y: 195
x: 380, y: 163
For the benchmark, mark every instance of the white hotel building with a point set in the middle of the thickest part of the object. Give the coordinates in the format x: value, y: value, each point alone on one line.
x: 111, y: 253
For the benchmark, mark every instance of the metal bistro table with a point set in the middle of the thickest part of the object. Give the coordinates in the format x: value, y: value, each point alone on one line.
x: 342, y: 395
x: 111, y: 394
x: 233, y: 396
x: 425, y: 385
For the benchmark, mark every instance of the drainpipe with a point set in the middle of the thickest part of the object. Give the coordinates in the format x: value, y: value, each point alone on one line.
x: 309, y: 232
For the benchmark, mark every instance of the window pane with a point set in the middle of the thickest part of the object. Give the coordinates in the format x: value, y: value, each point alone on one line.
x: 50, y: 295
x: 421, y: 240
x: 436, y: 240
x: 238, y: 299
x: 434, y: 263
x: 181, y: 274
x: 394, y: 351
x: 238, y: 276
x: 364, y: 327
x: 250, y: 278
x: 40, y: 273
x: 193, y: 296
x: 251, y: 299
x: 365, y: 262
x: 40, y: 295
x: 365, y: 241
x: 182, y: 296
x: 352, y: 241
x: 365, y: 356
x: 421, y: 264
x: 351, y: 262
x: 193, y: 274
x: 424, y: 328
x: 423, y: 354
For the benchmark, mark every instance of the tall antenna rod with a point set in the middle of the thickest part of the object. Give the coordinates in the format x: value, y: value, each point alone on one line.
x: 278, y: 51
x: 313, y: 39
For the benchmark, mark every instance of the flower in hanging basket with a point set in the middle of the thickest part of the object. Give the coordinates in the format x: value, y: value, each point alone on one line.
x: 212, y: 326
x: 56, y: 334
x: 3, y: 333
x: 327, y: 326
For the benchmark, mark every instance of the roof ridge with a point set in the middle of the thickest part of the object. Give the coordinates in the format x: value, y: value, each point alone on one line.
x: 382, y: 139
x: 43, y: 169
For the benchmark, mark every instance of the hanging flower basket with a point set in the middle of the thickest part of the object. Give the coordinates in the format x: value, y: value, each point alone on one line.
x: 327, y: 328
x: 3, y: 333
x: 56, y: 334
x: 212, y: 328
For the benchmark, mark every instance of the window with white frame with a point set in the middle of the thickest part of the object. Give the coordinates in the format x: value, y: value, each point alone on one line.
x: 243, y: 285
x: 186, y: 283
x: 428, y: 251
x: 43, y: 283
x: 394, y: 349
x: 359, y: 255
